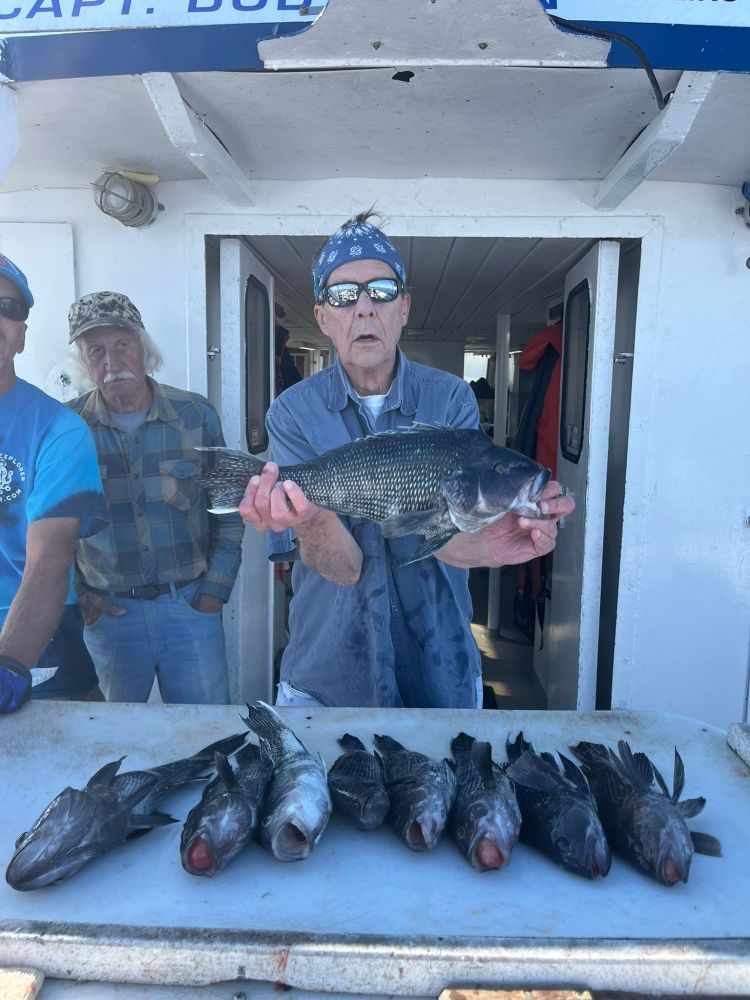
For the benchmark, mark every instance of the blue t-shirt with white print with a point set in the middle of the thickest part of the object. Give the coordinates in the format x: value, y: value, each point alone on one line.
x: 48, y: 468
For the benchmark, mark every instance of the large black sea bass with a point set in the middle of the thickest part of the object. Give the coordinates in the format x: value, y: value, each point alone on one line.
x: 434, y: 481
x: 644, y: 823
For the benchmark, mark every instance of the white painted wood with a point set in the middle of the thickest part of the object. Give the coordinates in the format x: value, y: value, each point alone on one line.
x: 421, y: 33
x: 9, y: 129
x: 502, y: 349
x: 44, y: 252
x: 363, y: 913
x: 248, y: 616
x: 567, y: 664
x: 661, y: 138
x: 189, y: 133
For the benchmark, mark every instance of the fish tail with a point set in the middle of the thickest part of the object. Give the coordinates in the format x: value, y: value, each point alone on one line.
x: 264, y: 721
x: 225, y: 475
x: 461, y: 745
x: 387, y: 744
x: 515, y: 748
x: 224, y: 746
x: 349, y: 742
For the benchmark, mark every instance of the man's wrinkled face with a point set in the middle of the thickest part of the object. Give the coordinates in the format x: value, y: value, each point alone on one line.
x: 12, y: 332
x: 114, y: 360
x: 366, y: 334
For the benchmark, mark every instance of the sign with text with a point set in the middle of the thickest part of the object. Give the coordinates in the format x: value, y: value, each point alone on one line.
x: 95, y: 15
x: 674, y: 34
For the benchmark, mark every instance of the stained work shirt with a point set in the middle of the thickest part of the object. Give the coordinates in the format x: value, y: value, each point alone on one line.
x: 159, y: 529
x: 401, y: 636
x: 48, y: 468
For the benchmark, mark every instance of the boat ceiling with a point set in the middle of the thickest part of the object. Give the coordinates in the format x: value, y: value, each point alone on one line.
x: 447, y: 121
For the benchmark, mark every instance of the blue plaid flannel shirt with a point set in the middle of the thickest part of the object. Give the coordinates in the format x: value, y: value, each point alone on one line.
x: 159, y: 529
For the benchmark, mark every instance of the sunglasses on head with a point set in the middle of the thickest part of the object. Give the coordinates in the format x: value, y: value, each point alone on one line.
x: 13, y: 308
x: 347, y: 293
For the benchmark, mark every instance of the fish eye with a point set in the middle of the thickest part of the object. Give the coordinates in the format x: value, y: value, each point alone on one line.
x: 563, y: 844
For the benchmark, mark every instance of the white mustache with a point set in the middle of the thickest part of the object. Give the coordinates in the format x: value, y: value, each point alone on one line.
x: 117, y: 377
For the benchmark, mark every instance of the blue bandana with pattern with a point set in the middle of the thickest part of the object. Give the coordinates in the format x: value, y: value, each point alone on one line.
x: 355, y: 241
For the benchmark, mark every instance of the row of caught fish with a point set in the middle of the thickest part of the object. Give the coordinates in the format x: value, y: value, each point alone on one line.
x: 570, y: 813
x: 280, y: 790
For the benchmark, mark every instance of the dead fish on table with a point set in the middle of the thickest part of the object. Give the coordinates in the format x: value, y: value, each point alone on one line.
x: 357, y: 785
x: 80, y: 824
x: 485, y: 820
x: 421, y: 790
x: 434, y: 481
x: 228, y: 814
x: 644, y: 823
x: 558, y: 810
x: 298, y: 804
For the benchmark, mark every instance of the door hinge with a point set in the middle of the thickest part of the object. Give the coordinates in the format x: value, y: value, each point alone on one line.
x: 212, y: 352
x: 623, y: 357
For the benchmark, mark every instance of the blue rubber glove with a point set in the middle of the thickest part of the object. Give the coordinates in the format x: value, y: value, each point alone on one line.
x: 15, y: 684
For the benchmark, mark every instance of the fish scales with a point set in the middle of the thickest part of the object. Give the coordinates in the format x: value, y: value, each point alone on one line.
x: 357, y: 785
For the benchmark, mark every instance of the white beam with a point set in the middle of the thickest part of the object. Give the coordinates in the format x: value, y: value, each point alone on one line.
x: 8, y: 129
x: 657, y: 142
x: 502, y: 347
x: 188, y: 132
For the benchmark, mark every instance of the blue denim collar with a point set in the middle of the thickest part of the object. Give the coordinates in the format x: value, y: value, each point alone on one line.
x: 401, y: 395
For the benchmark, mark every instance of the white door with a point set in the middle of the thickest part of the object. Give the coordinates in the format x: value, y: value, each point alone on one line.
x: 246, y: 361
x: 566, y: 666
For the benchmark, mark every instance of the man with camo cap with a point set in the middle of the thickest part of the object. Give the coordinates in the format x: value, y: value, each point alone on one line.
x: 152, y: 584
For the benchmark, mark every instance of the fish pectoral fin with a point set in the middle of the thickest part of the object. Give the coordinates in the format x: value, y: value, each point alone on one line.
x: 434, y: 541
x: 704, y: 843
x: 143, y: 822
x: 691, y: 807
x: 410, y: 522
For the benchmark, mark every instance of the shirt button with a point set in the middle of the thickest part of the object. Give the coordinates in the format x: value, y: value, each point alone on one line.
x: 136, y: 476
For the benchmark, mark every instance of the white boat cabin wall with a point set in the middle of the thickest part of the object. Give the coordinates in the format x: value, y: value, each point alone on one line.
x: 506, y: 189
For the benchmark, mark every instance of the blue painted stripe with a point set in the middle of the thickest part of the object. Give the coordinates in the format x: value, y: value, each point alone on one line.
x: 137, y: 50
x: 680, y: 46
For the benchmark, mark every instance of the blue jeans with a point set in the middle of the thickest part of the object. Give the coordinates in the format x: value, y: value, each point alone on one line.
x: 165, y: 638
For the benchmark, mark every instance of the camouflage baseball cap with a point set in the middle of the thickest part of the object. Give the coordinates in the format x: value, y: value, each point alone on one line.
x: 102, y: 309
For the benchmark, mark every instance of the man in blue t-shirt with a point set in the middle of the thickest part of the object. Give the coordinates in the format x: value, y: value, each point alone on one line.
x: 50, y: 495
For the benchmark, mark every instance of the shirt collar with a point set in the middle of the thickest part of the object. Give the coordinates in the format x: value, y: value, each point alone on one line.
x: 161, y: 408
x: 400, y: 396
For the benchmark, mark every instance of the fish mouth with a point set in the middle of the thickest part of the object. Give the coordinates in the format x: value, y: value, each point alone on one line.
x: 487, y: 856
x: 528, y: 499
x: 198, y: 859
x: 291, y: 843
x: 375, y: 810
x: 671, y: 871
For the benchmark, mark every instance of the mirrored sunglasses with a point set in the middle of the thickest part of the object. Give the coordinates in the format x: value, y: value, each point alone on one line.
x: 347, y: 293
x: 15, y: 309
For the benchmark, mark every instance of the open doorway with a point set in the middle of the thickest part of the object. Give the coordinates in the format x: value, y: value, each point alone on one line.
x: 459, y: 288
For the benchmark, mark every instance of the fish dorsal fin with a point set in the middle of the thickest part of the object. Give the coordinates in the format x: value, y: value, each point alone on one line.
x: 532, y: 771
x: 518, y: 746
x: 661, y: 782
x: 574, y: 774
x: 691, y: 807
x: 481, y: 758
x: 546, y: 755
x: 349, y: 742
x: 704, y: 843
x: 142, y: 823
x: 224, y: 770
x: 637, y: 768
x: 106, y: 774
x: 678, y: 782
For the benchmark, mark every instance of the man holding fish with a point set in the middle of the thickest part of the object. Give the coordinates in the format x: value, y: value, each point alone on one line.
x: 373, y: 622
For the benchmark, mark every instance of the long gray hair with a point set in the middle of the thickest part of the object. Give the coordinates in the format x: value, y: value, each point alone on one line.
x: 152, y: 361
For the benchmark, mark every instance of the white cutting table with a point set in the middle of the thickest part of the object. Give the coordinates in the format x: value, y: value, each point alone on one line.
x: 364, y: 914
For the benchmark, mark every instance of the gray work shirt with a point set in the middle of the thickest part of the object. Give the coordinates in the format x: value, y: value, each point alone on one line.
x: 401, y: 636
